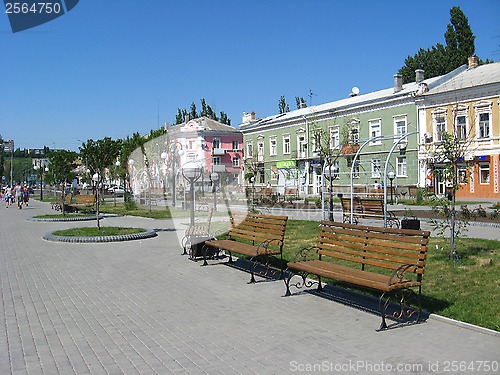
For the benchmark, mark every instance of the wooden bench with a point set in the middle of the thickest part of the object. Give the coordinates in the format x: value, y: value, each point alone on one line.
x: 83, y: 200
x: 253, y: 235
x: 366, y: 208
x: 291, y: 194
x: 388, y: 260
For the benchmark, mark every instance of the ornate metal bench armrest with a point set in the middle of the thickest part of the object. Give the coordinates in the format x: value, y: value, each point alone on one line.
x: 399, y: 273
x: 265, y: 244
x: 302, y: 254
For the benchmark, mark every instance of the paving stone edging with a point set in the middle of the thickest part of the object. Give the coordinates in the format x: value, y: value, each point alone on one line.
x: 57, y: 219
x: 98, y: 239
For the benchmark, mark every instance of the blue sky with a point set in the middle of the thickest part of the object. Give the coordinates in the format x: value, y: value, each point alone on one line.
x: 114, y: 67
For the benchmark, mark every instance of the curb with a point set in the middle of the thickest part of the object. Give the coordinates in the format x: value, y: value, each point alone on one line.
x: 62, y: 219
x: 100, y: 239
x: 464, y: 325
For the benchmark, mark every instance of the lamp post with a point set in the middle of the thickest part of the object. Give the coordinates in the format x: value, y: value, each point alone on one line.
x: 214, y: 177
x: 191, y: 172
x: 391, y: 175
x: 95, y: 178
x: 176, y: 150
x: 252, y: 181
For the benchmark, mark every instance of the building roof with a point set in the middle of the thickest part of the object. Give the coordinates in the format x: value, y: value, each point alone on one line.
x: 203, y: 124
x: 479, y: 76
x: 408, y: 90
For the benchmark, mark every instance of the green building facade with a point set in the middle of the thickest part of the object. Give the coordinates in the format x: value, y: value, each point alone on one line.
x: 290, y: 150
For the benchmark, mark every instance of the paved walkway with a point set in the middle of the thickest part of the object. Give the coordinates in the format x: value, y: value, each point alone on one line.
x: 139, y: 307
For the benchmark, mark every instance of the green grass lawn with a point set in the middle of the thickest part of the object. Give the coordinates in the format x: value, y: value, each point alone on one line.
x: 94, y: 231
x: 468, y: 291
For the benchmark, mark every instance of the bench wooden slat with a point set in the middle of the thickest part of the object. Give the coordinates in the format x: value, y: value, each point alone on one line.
x: 352, y: 276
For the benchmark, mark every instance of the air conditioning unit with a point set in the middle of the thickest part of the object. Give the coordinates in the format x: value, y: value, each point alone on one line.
x: 402, y: 146
x: 428, y: 137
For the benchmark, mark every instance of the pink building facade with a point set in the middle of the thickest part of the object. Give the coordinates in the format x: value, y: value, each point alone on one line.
x: 216, y: 147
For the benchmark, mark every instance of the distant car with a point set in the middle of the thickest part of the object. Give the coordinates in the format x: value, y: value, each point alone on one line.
x: 116, y: 190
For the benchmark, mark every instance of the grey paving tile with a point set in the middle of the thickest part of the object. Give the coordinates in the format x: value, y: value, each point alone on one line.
x: 142, y: 308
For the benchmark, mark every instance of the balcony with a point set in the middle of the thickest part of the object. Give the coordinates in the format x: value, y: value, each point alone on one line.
x: 218, y: 151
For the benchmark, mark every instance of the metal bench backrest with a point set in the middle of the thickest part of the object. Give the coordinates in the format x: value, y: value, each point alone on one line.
x: 385, y: 248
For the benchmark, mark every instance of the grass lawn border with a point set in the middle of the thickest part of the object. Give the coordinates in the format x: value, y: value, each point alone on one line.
x: 101, y: 239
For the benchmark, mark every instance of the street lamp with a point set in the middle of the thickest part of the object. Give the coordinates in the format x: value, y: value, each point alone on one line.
x: 46, y: 169
x: 391, y: 176
x: 95, y: 178
x: 214, y: 177
x: 176, y: 150
x: 191, y: 172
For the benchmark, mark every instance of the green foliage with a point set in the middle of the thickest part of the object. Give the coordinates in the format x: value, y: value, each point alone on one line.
x: 301, y: 102
x: 282, y: 106
x: 62, y: 164
x: 440, y: 59
x: 206, y: 111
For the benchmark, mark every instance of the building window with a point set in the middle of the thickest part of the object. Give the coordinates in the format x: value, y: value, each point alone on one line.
x: 334, y: 138
x: 355, y: 169
x: 400, y: 125
x: 401, y: 166
x: 235, y: 146
x: 376, y: 168
x: 462, y: 174
x: 483, y: 119
x: 375, y: 131
x: 260, y: 151
x: 190, y: 145
x: 236, y: 161
x: 216, y: 160
x: 249, y: 150
x: 216, y: 143
x: 273, y: 151
x: 461, y: 127
x: 484, y: 173
x: 439, y: 119
x: 484, y: 125
x: 354, y: 135
x: 301, y: 140
x: 286, y: 144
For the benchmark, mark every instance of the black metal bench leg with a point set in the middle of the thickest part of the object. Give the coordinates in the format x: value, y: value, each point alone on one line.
x: 287, y: 284
x: 383, y: 308
x: 320, y: 286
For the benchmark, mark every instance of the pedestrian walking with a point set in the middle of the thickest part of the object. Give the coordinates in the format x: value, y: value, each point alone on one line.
x: 18, y: 192
x: 7, y: 196
x: 26, y: 195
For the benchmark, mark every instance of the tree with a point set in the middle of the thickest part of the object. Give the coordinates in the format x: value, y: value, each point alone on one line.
x: 301, y: 102
x: 283, y: 107
x: 459, y: 38
x: 206, y: 111
x: 192, y: 113
x: 100, y: 155
x: 329, y: 152
x: 452, y: 151
x: 62, y: 170
x: 2, y: 160
x: 440, y: 59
